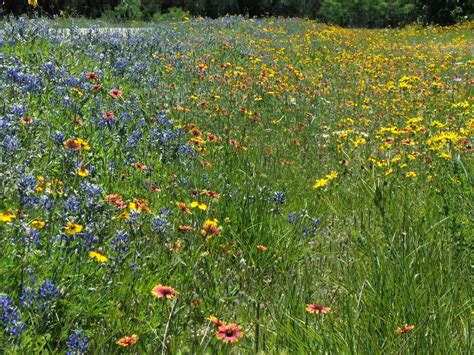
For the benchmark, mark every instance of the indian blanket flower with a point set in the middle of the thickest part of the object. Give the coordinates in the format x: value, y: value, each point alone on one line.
x: 140, y: 166
x: 26, y: 120
x: 92, y: 76
x: 212, y: 194
x: 160, y: 291
x: 211, y: 223
x: 72, y: 144
x: 186, y: 229
x: 176, y: 247
x: 76, y: 144
x: 317, y: 309
x: 115, y: 93
x: 73, y: 228
x: 183, y: 207
x: 210, y: 228
x: 406, y: 328
x: 155, y: 188
x: 217, y: 322
x: 116, y: 200
x: 127, y: 340
x: 108, y: 116
x: 98, y: 256
x: 140, y: 205
x: 229, y: 333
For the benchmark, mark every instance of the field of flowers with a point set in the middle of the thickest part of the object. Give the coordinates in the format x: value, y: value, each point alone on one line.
x: 236, y: 186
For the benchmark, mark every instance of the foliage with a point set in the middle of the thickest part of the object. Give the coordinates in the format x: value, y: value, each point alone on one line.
x: 368, y: 13
x: 172, y: 14
x: 444, y: 12
x: 353, y: 13
x: 128, y: 10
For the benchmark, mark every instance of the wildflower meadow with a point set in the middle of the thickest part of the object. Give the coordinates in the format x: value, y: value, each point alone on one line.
x: 236, y: 186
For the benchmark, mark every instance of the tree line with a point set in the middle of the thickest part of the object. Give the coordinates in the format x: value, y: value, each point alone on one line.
x: 351, y: 13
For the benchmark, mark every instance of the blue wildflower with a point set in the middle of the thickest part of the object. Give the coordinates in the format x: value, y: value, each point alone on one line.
x: 47, y: 292
x: 165, y: 212
x: 186, y: 149
x: 134, y: 265
x: 17, y: 109
x: 160, y: 225
x: 293, y: 217
x: 10, y: 144
x: 58, y: 137
x: 279, y: 197
x: 77, y: 343
x: 134, y: 139
x: 91, y: 190
x: 10, y: 319
x: 72, y: 205
x: 27, y: 183
x: 314, y: 222
x: 27, y: 297
x: 120, y: 242
x: 33, y: 237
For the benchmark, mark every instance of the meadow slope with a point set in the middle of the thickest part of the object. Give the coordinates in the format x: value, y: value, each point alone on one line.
x: 236, y: 186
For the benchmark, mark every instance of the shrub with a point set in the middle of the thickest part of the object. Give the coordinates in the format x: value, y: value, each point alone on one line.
x: 128, y: 10
x: 174, y: 14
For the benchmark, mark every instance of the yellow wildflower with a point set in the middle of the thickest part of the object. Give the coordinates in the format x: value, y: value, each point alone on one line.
x: 200, y: 205
x: 6, y: 217
x: 359, y: 141
x: 82, y: 172
x: 445, y: 156
x: 124, y: 215
x: 78, y: 91
x: 211, y: 223
x: 73, y: 228
x: 83, y: 144
x: 100, y: 258
x: 37, y: 224
x: 320, y: 183
x: 332, y: 175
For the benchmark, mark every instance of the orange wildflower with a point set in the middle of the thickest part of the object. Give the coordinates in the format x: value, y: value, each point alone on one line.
x: 127, y: 340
